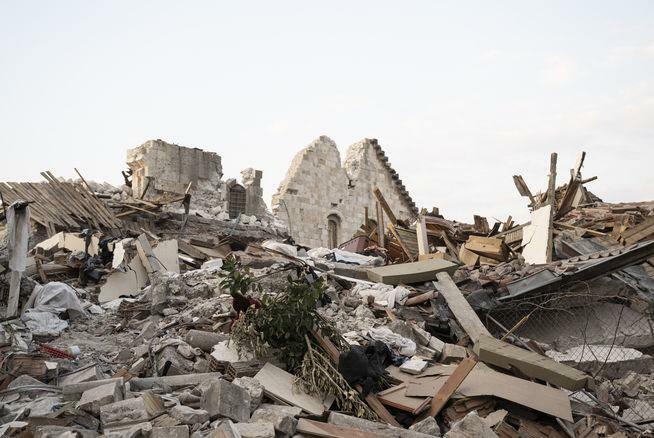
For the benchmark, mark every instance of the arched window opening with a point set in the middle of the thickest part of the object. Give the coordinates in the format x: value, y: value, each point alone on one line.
x: 236, y: 201
x: 333, y: 229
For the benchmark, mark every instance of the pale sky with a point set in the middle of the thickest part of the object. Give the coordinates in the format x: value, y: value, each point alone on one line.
x: 461, y: 95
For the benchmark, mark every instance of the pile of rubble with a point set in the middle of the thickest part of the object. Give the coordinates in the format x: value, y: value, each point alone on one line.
x: 130, y: 316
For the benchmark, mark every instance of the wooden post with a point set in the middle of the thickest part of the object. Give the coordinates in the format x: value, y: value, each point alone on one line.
x: 421, y: 235
x: 551, y: 199
x: 380, y: 226
x: 14, y: 294
x: 450, y: 386
x: 365, y: 217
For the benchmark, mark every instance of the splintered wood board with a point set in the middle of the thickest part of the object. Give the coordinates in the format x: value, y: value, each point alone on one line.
x: 395, y: 397
x: 483, y: 381
x: 316, y: 428
x: 278, y: 384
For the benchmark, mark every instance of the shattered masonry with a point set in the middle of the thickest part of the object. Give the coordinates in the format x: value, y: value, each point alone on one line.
x: 160, y: 168
x: 319, y: 191
x: 191, y: 312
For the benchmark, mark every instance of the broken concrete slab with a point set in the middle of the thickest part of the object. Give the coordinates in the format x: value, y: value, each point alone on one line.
x: 259, y: 429
x: 471, y: 426
x: 499, y: 353
x: 227, y: 400
x: 188, y: 415
x: 133, y: 410
x: 93, y: 399
x: 283, y: 418
x: 170, y: 432
x: 407, y: 273
x: 253, y: 387
x: 611, y: 361
x: 427, y: 426
x: 51, y: 431
x: 278, y: 384
x: 373, y: 427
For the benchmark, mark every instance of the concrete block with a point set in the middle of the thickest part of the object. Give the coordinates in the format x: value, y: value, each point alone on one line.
x: 93, y: 399
x: 253, y: 387
x: 282, y: 417
x: 170, y: 432
x: 256, y: 430
x: 227, y: 400
x: 187, y: 415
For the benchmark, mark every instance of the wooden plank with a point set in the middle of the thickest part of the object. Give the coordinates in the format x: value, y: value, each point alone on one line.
x: 496, y: 352
x: 395, y: 397
x: 421, y: 235
x: 454, y: 252
x: 278, y: 383
x: 399, y: 240
x: 551, y: 199
x: 380, y: 226
x: 384, y: 205
x: 451, y: 384
x: 316, y: 428
x: 467, y: 318
x: 483, y: 381
x: 523, y: 189
x: 536, y: 236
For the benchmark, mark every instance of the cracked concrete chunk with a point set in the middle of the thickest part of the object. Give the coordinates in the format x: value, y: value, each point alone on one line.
x: 227, y: 400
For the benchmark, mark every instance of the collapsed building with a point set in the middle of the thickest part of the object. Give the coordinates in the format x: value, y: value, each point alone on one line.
x: 166, y: 308
x: 323, y: 200
x: 161, y: 171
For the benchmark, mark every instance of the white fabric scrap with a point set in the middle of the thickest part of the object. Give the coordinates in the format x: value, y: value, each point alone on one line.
x: 43, y: 323
x: 284, y: 248
x: 400, y: 344
x: 55, y: 297
x: 383, y: 294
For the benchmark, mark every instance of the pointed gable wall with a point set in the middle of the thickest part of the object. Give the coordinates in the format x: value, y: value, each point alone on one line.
x: 318, y: 186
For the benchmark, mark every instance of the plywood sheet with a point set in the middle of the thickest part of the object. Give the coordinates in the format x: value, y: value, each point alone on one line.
x: 535, y: 236
x: 278, y: 384
x: 483, y: 381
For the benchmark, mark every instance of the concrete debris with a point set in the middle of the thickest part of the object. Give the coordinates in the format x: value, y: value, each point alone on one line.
x: 178, y: 306
x: 258, y: 429
x: 227, y: 400
x: 427, y: 426
x: 471, y: 426
x: 283, y: 418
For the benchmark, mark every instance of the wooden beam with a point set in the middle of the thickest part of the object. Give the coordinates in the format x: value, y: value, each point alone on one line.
x: 399, y: 240
x: 454, y: 251
x: 421, y: 235
x: 385, y: 206
x: 467, y: 318
x: 551, y: 199
x: 523, y: 189
x: 380, y: 226
x: 450, y: 386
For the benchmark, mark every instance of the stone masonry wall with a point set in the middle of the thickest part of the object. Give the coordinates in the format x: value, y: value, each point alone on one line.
x: 317, y: 185
x: 171, y: 168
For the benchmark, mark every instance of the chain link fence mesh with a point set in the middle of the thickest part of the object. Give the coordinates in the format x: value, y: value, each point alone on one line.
x: 602, y: 336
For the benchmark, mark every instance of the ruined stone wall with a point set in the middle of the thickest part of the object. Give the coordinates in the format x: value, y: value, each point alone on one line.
x: 318, y: 186
x: 171, y: 168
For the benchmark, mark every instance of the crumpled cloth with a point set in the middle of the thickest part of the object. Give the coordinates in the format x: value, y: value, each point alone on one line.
x: 383, y: 294
x: 400, y: 344
x: 43, y: 323
x: 55, y: 297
